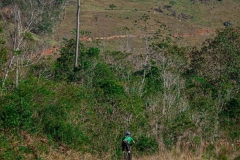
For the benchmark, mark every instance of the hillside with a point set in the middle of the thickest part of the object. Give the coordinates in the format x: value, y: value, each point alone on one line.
x: 184, y: 18
x: 167, y: 71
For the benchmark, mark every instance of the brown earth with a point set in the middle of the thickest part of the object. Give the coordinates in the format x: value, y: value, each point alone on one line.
x: 202, y: 32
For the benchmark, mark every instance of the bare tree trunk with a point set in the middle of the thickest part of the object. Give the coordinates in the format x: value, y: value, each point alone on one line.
x: 17, y: 71
x: 17, y: 38
x: 7, y: 70
x: 146, y: 59
x: 23, y: 22
x: 77, y: 35
x: 164, y: 86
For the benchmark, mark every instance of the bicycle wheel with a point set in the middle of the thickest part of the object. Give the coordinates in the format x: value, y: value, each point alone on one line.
x: 128, y: 156
x: 125, y: 156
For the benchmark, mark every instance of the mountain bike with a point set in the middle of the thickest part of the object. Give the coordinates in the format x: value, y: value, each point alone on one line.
x: 126, y: 156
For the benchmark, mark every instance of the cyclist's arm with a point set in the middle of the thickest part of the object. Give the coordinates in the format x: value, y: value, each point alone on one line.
x: 132, y: 141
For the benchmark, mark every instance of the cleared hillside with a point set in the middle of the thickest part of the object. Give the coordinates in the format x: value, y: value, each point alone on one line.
x: 184, y: 18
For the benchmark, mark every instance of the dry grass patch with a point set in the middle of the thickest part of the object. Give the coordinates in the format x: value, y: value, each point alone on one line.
x: 97, y: 17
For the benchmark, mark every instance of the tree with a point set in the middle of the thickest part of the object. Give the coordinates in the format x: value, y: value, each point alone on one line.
x: 112, y: 6
x: 27, y: 17
x: 77, y: 34
x: 44, y: 14
x: 213, y: 79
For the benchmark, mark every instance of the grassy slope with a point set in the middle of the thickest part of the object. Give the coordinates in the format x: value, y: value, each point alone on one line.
x: 108, y: 25
x: 97, y: 17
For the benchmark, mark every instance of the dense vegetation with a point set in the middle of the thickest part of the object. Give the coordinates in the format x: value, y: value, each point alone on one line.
x: 90, y: 108
x: 176, y: 98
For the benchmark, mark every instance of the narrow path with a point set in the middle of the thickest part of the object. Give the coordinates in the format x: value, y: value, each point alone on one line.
x: 201, y: 32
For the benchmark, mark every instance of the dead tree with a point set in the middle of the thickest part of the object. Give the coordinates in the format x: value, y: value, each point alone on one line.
x: 21, y: 23
x: 77, y: 34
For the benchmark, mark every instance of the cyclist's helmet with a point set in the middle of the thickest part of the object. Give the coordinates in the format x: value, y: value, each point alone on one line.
x: 128, y: 133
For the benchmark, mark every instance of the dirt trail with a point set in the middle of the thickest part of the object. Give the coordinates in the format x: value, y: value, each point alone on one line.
x: 201, y: 32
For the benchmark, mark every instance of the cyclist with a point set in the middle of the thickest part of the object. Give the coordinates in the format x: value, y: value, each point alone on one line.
x: 127, y: 141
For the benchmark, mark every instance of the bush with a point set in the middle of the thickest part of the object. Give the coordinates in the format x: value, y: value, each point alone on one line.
x: 146, y: 145
x: 55, y: 125
x: 64, y: 66
x: 230, y: 118
x: 33, y: 107
x: 111, y: 88
x: 112, y: 6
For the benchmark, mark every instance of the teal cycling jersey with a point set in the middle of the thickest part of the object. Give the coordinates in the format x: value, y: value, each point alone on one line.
x: 128, y: 139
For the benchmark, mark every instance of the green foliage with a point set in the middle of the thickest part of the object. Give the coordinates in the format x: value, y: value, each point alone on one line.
x: 19, y: 150
x: 28, y: 36
x: 223, y: 154
x: 229, y: 118
x: 17, y: 52
x: 5, y: 152
x: 31, y: 108
x: 210, y: 152
x: 172, y: 3
x: 92, y: 52
x: 88, y: 58
x: 89, y: 108
x: 45, y: 26
x: 112, y: 6
x: 213, y: 81
x: 146, y: 145
x: 218, y: 61
x: 111, y: 88
x: 103, y: 72
x: 3, y: 51
x: 16, y: 117
x: 43, y: 69
x: 64, y: 64
x: 180, y: 125
x: 18, y: 108
x: 108, y: 86
x: 197, y: 140
x: 232, y: 109
x: 55, y: 125
x: 3, y: 56
x: 154, y: 80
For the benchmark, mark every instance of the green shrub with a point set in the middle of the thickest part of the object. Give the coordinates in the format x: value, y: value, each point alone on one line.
x: 9, y: 151
x: 154, y: 80
x: 112, y: 6
x: 146, y: 145
x: 92, y: 52
x: 111, y: 88
x: 210, y: 152
x: 168, y: 140
x: 42, y: 70
x: 13, y: 116
x: 64, y: 66
x: 222, y: 155
x: 229, y: 118
x: 55, y: 125
x: 177, y: 127
x: 172, y: 3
